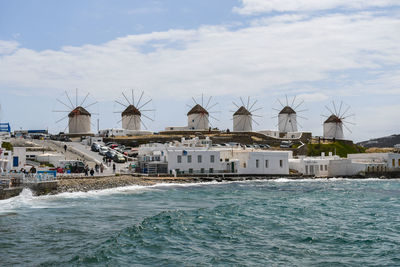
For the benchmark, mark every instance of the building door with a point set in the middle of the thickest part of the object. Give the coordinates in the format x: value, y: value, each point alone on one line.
x: 15, y: 161
x: 232, y: 167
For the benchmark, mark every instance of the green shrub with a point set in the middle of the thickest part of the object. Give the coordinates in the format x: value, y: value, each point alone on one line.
x: 342, y: 149
x: 7, y: 146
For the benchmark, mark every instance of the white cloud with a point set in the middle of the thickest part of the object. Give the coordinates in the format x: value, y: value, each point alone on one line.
x: 251, y: 7
x: 313, y: 97
x: 7, y: 47
x: 213, y: 60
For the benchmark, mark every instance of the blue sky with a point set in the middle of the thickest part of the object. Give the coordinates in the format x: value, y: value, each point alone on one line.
x: 333, y: 50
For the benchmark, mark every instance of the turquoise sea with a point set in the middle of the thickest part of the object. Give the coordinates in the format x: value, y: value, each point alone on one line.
x: 335, y: 222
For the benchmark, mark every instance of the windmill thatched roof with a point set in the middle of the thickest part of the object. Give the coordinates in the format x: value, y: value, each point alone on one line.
x: 198, y: 110
x: 242, y: 111
x: 333, y: 118
x: 287, y: 110
x: 130, y: 111
x: 78, y: 111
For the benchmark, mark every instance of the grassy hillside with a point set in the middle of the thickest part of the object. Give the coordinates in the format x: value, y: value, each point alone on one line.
x: 342, y: 149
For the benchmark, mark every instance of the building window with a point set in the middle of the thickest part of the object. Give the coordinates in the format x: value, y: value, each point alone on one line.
x: 257, y: 163
x: 212, y: 158
x: 190, y: 170
x: 266, y: 164
x: 189, y: 158
x: 281, y: 163
x: 399, y: 163
x: 199, y: 158
x: 202, y: 170
x: 179, y: 159
x: 211, y: 170
x: 244, y: 164
x: 326, y: 167
x: 393, y: 162
x: 321, y: 167
x: 306, y: 169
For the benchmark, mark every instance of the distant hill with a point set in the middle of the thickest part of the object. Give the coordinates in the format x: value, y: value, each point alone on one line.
x: 388, y: 141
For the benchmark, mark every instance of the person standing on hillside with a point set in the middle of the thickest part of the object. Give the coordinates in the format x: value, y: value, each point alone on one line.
x: 65, y: 148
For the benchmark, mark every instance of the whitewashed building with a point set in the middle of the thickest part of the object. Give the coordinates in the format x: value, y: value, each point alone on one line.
x: 198, y: 156
x: 242, y: 120
x: 12, y: 160
x: 131, y: 118
x: 262, y: 162
x: 333, y: 128
x: 386, y: 161
x: 79, y: 121
x: 287, y: 120
x: 313, y: 166
x: 198, y: 120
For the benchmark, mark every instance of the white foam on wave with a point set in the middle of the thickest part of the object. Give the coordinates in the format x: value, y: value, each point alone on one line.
x: 27, y: 199
x: 103, y: 192
x: 23, y: 199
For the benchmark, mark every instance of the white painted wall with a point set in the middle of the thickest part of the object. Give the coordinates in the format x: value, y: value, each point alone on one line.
x: 333, y: 130
x: 19, y: 152
x: 79, y: 124
x: 391, y: 160
x: 310, y: 166
x: 345, y: 167
x: 247, y: 161
x: 50, y: 158
x: 131, y: 122
x: 195, y: 165
x: 242, y: 123
x: 198, y: 122
x: 287, y: 122
x: 287, y: 135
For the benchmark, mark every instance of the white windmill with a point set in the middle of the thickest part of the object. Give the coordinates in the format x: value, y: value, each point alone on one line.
x: 79, y: 118
x: 199, y: 114
x: 336, y: 120
x: 131, y: 116
x: 287, y: 116
x: 243, y: 116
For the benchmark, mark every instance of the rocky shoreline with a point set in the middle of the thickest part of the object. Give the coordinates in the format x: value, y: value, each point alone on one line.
x: 100, y: 183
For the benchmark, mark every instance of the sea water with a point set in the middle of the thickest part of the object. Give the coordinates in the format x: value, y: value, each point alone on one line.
x: 260, y: 223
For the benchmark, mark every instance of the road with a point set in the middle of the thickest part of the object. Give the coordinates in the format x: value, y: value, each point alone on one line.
x: 89, y: 156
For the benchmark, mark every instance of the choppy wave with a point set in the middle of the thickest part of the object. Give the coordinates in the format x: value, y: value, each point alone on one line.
x: 252, y: 223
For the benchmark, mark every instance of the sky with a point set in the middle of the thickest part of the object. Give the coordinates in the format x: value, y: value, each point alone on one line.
x: 320, y: 52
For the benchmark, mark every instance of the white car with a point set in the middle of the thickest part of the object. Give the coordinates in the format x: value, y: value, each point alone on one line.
x: 103, y: 150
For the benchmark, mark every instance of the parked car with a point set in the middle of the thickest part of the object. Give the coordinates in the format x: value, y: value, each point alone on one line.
x: 286, y: 144
x: 113, y: 146
x: 103, y: 150
x: 110, y: 154
x: 264, y: 146
x: 95, y: 147
x: 119, y: 158
x: 74, y: 166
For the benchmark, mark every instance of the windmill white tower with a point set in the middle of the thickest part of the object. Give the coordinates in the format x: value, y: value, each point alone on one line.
x: 334, y: 123
x: 199, y: 115
x: 131, y: 116
x: 243, y: 116
x: 79, y: 121
x: 287, y: 116
x: 79, y: 118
